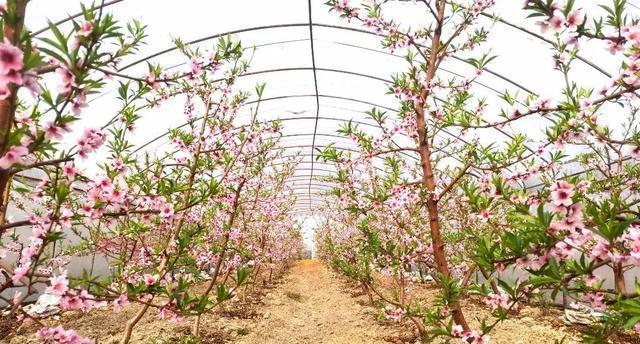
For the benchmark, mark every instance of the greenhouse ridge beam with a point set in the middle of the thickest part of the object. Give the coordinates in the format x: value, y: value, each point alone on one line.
x: 315, y: 82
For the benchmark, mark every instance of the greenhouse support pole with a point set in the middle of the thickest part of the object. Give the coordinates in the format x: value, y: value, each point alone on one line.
x: 12, y: 30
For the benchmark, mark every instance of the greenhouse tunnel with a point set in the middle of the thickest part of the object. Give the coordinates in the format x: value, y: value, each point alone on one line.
x: 326, y: 73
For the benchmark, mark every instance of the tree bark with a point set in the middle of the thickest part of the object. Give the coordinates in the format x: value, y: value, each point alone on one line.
x: 618, y: 273
x: 428, y: 177
x: 437, y: 243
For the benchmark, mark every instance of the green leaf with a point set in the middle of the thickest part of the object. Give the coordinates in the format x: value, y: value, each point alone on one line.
x: 241, y: 275
x: 222, y: 294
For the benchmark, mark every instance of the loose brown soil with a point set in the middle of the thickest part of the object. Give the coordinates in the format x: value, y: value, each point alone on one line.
x: 105, y: 326
x: 309, y: 305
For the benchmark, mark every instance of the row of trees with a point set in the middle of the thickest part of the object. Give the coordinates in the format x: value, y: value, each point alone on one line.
x: 211, y: 207
x: 551, y: 212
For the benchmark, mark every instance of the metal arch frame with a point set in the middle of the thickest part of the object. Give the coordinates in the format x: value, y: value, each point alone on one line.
x: 312, y: 155
x: 305, y: 177
x: 316, y: 190
x: 306, y: 196
x: 323, y: 183
x: 315, y: 69
x: 356, y: 30
x: 306, y: 207
x: 298, y: 118
x: 317, y: 183
x: 287, y: 118
x: 319, y: 162
x: 500, y: 130
x: 323, y: 187
x: 315, y: 83
x: 279, y: 26
x: 303, y: 200
x: 302, y: 185
x: 591, y: 64
x: 314, y: 146
x: 316, y: 193
x: 303, y: 203
x: 308, y: 162
x: 311, y: 200
x: 336, y: 136
x: 327, y: 185
x: 338, y: 27
x: 330, y: 135
x: 317, y: 169
x: 360, y: 75
x: 324, y: 146
x: 378, y: 79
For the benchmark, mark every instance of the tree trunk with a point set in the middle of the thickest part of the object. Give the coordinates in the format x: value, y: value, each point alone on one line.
x: 126, y: 337
x: 492, y: 282
x: 618, y: 274
x: 12, y: 32
x: 428, y: 180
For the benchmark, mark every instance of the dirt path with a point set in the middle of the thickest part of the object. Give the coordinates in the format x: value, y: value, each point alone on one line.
x: 309, y: 307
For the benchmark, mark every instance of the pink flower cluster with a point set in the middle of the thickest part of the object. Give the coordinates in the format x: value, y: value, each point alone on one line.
x: 102, y: 192
x: 472, y: 337
x: 82, y: 34
x: 83, y: 301
x: 59, y: 284
x: 496, y: 301
x: 120, y: 302
x: 561, y: 193
x: 596, y: 300
x: 67, y: 80
x: 15, y: 155
x: 91, y: 140
x: 59, y: 335
x: 558, y: 21
x: 11, y: 64
x: 395, y: 314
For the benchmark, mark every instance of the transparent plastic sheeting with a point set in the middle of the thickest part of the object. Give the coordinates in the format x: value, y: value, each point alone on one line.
x: 352, y: 69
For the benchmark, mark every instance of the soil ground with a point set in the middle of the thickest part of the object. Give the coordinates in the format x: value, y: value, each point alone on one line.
x: 309, y: 305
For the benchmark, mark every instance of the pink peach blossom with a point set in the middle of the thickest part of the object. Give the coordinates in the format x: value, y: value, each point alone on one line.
x: 59, y: 284
x: 13, y: 156
x: 10, y: 58
x: 19, y: 273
